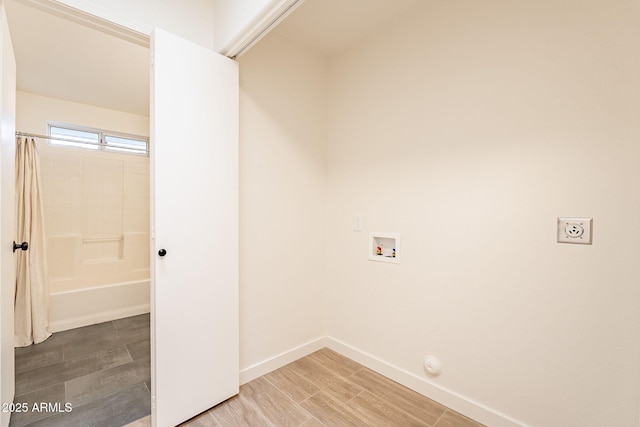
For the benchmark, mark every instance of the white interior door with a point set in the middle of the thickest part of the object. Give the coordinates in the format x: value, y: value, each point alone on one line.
x: 194, y: 185
x: 7, y: 212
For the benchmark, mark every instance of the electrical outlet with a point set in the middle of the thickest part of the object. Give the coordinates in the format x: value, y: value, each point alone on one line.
x: 575, y: 230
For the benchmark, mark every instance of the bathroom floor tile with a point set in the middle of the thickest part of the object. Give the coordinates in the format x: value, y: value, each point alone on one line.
x: 47, y: 356
x: 132, y: 322
x: 107, y: 381
x: 67, y: 337
x: 53, y: 394
x: 101, y: 369
x: 105, y: 341
x: 46, y: 376
x: 140, y: 349
x: 114, y: 410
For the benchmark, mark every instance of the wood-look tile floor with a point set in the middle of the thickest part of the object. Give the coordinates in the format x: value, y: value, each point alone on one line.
x: 102, y: 370
x: 326, y: 389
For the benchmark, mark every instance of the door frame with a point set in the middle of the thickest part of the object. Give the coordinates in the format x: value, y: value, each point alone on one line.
x: 8, y: 196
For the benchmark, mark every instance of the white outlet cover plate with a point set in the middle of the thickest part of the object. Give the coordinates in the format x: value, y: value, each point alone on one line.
x: 575, y: 230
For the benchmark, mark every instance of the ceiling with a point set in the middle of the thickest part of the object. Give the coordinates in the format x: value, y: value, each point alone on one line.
x: 330, y: 26
x: 67, y: 60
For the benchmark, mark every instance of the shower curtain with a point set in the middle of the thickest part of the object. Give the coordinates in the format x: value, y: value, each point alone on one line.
x: 32, y: 288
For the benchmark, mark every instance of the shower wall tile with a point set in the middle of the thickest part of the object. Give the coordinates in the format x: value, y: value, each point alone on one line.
x: 112, y: 201
x: 47, y: 185
x: 112, y: 250
x: 48, y: 199
x: 92, y: 251
x: 62, y: 200
x: 61, y: 253
x: 48, y: 218
x: 62, y: 187
x: 103, y: 181
x: 62, y: 223
x: 76, y: 194
x: 93, y: 224
x: 136, y: 197
x: 46, y: 166
x: 94, y: 195
x: 136, y: 247
x: 112, y: 227
x: 113, y: 188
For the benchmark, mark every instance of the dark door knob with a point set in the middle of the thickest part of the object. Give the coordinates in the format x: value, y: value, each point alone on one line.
x: 24, y: 246
x: 162, y: 252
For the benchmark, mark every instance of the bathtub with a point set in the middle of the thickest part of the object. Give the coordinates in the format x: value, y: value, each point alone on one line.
x: 81, y: 307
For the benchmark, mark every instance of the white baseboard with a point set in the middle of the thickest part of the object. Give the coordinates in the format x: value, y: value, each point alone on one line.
x: 276, y: 362
x: 446, y: 397
x: 424, y: 386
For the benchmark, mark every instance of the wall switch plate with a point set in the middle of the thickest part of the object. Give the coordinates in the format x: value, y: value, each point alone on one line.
x: 575, y: 230
x: 357, y: 222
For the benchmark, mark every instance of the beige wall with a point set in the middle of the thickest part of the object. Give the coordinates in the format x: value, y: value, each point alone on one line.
x: 34, y: 111
x: 282, y: 199
x: 468, y: 128
x: 96, y: 204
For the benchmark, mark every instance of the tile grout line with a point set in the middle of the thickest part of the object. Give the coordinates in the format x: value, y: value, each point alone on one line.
x: 106, y: 395
x: 309, y: 381
x: 356, y: 395
x: 315, y: 358
x: 402, y: 410
x: 439, y: 418
x: 309, y: 397
x: 17, y: 371
x: 332, y: 372
x: 70, y: 379
x: 214, y: 415
x: 317, y: 420
x: 276, y: 387
x: 36, y: 390
x: 359, y: 370
x: 257, y: 409
x: 292, y: 401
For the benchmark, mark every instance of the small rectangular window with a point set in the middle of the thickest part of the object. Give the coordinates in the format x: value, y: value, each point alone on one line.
x: 97, y: 139
x: 125, y: 145
x: 74, y: 138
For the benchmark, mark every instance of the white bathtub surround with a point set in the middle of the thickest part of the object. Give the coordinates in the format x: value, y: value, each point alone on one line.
x: 81, y: 307
x: 75, y: 262
x: 97, y: 216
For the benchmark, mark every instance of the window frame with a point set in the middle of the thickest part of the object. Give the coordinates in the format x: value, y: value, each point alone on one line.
x: 101, y: 145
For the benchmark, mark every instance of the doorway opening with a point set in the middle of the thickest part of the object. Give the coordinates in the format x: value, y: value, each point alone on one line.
x: 96, y: 213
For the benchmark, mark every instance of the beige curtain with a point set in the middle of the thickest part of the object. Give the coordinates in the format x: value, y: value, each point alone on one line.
x: 32, y: 288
